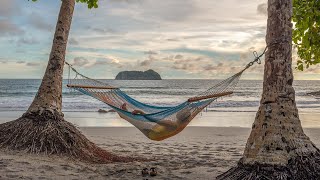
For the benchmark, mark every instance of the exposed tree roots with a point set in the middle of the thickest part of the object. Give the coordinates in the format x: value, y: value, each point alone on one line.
x: 298, y: 168
x: 48, y: 133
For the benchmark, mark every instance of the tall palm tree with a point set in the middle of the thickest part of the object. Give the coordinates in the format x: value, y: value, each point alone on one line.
x: 42, y: 129
x: 277, y: 147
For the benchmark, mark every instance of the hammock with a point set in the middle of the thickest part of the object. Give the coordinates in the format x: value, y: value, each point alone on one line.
x: 155, y: 122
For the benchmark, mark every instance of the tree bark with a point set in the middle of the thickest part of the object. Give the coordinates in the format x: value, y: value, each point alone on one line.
x: 49, y: 97
x: 277, y: 132
x: 277, y: 147
x: 42, y: 129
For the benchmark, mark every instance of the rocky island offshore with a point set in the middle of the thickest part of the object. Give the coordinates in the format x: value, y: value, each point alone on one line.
x: 138, y: 75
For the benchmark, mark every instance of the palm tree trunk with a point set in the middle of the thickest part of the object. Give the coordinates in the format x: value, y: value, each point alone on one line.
x: 277, y: 147
x: 42, y: 129
x: 48, y: 100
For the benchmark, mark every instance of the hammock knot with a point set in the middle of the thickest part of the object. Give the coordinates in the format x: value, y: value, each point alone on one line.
x: 257, y: 57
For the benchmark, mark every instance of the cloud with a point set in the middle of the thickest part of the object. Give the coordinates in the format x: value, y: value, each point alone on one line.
x: 127, y: 1
x: 108, y: 61
x: 2, y: 61
x: 73, y: 41
x: 27, y: 41
x: 147, y: 62
x: 178, y: 56
x: 192, y: 64
x: 212, y: 67
x: 103, y: 31
x: 9, y: 8
x: 172, y: 11
x: 83, y: 62
x: 32, y: 64
x: 151, y: 52
x: 38, y: 22
x: 262, y: 9
x: 8, y: 28
x: 180, y: 37
x: 80, y: 61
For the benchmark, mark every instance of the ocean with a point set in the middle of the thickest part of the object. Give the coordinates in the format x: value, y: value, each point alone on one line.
x: 16, y: 95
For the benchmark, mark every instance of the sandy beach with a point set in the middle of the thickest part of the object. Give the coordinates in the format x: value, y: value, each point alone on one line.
x: 196, y: 153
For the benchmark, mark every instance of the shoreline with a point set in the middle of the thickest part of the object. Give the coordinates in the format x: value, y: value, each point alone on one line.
x: 204, y: 119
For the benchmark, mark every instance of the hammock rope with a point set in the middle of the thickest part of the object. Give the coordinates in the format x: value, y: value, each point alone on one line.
x: 155, y: 122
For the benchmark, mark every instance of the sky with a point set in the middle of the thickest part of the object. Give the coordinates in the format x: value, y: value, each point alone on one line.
x: 180, y: 39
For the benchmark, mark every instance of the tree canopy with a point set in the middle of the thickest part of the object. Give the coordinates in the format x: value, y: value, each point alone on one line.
x: 90, y: 3
x: 306, y: 33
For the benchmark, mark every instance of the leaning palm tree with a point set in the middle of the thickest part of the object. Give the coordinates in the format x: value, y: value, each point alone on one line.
x: 277, y: 147
x: 42, y: 129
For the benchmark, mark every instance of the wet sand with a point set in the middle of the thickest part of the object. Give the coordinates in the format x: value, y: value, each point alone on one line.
x: 196, y: 153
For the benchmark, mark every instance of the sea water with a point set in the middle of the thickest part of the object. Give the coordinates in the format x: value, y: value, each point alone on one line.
x: 16, y: 95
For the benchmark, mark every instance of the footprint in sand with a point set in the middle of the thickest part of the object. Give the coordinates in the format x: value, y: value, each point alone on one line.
x: 186, y: 172
x: 3, y: 164
x: 23, y: 162
x: 65, y: 167
x: 46, y: 167
x: 14, y: 176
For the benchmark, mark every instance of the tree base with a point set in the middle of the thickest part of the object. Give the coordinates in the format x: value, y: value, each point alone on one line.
x: 48, y: 133
x: 298, y: 168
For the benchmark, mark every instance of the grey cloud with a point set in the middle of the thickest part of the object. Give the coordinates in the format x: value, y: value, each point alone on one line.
x: 227, y: 43
x: 73, y: 41
x: 189, y: 63
x: 147, y: 62
x: 107, y: 61
x: 175, y: 11
x: 197, y: 36
x: 9, y: 8
x: 6, y: 27
x: 220, y: 66
x: 32, y: 64
x: 262, y: 9
x: 20, y: 62
x: 186, y: 67
x: 3, y: 61
x: 169, y: 58
x: 103, y: 31
x: 27, y: 40
x: 173, y: 39
x: 80, y: 61
x: 178, y: 56
x: 204, y: 65
x: 38, y: 22
x: 151, y: 52
x: 188, y: 60
x: 126, y: 1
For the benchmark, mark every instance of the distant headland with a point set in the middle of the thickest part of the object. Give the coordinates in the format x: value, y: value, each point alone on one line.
x: 138, y: 75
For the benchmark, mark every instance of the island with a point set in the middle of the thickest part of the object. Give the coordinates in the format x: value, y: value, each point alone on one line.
x: 138, y: 75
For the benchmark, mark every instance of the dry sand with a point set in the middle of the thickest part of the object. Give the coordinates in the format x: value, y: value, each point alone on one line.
x: 196, y: 153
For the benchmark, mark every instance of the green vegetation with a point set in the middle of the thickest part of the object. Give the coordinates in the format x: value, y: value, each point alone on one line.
x: 306, y: 33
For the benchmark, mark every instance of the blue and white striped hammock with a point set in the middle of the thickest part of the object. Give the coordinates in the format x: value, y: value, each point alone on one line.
x: 155, y: 122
